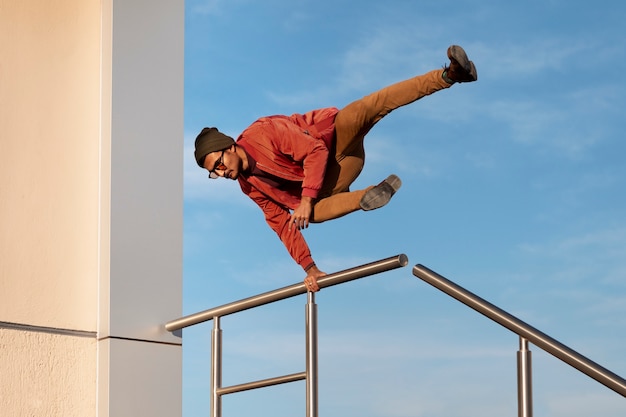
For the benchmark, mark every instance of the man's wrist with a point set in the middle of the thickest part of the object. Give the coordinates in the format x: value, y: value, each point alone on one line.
x: 310, y: 193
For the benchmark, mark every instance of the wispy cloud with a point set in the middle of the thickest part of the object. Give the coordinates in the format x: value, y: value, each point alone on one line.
x: 608, y: 243
x: 556, y: 125
x: 207, y: 7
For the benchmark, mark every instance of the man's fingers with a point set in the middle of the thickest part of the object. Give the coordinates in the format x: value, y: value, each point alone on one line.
x: 311, y: 284
x: 299, y: 222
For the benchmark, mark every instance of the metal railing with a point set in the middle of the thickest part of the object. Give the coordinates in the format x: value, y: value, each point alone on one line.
x: 310, y: 374
x: 526, y: 333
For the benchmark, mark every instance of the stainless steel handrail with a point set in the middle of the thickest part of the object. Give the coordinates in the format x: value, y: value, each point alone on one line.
x: 310, y: 374
x: 543, y: 341
x: 287, y: 292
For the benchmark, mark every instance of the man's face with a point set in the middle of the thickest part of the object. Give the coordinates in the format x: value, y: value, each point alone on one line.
x: 224, y: 163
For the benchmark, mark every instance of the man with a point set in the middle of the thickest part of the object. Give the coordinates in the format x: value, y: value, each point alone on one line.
x: 298, y: 168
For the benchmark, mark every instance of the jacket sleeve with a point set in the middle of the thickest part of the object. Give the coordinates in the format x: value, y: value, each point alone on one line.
x: 314, y: 162
x: 294, y: 143
x: 277, y: 218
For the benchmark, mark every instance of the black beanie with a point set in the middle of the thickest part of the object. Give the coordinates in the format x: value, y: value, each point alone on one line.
x: 211, y: 140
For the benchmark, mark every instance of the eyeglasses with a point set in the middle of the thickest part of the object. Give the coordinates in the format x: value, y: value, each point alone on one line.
x: 219, y: 164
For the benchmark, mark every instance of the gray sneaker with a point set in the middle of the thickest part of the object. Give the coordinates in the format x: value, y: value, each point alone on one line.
x: 461, y: 69
x: 380, y: 194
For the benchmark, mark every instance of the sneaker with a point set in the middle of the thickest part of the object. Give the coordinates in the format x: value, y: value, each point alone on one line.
x: 379, y: 195
x: 461, y: 69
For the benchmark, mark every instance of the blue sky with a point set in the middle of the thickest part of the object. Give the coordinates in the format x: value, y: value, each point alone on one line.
x: 513, y: 187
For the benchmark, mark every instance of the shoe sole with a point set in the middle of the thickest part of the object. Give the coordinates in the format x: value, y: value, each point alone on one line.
x: 473, y: 72
x: 381, y: 194
x: 458, y: 54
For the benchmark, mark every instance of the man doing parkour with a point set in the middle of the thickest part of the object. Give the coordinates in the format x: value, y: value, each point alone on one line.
x: 298, y: 169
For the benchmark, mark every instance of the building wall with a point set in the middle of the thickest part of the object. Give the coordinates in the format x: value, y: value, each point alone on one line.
x: 91, y: 140
x: 46, y: 374
x: 49, y: 163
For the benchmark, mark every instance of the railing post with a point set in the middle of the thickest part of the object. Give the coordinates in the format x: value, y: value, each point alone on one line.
x: 524, y: 380
x: 311, y: 356
x: 216, y: 368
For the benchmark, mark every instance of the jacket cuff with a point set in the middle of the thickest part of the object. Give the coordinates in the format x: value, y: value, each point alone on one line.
x: 306, y: 262
x: 309, y: 192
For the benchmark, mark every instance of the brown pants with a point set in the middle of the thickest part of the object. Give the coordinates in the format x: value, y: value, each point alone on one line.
x: 351, y: 125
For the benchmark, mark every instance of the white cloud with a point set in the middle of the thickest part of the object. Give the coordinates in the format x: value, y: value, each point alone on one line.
x: 610, y: 244
x: 207, y: 7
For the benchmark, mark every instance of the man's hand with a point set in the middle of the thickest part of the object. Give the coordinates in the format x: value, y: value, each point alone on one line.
x: 301, y: 215
x: 312, y: 274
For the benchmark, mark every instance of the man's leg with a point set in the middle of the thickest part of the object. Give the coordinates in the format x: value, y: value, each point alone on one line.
x: 355, y: 120
x: 352, y: 123
x: 337, y: 205
x: 370, y: 198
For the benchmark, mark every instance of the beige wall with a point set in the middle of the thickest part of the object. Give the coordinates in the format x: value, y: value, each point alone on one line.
x: 49, y: 204
x: 49, y: 174
x: 47, y: 374
x: 75, y: 336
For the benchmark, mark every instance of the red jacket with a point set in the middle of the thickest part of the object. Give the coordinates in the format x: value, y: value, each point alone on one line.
x: 294, y: 148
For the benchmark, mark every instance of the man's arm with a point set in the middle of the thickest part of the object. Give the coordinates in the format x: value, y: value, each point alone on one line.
x: 301, y: 148
x: 278, y: 218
